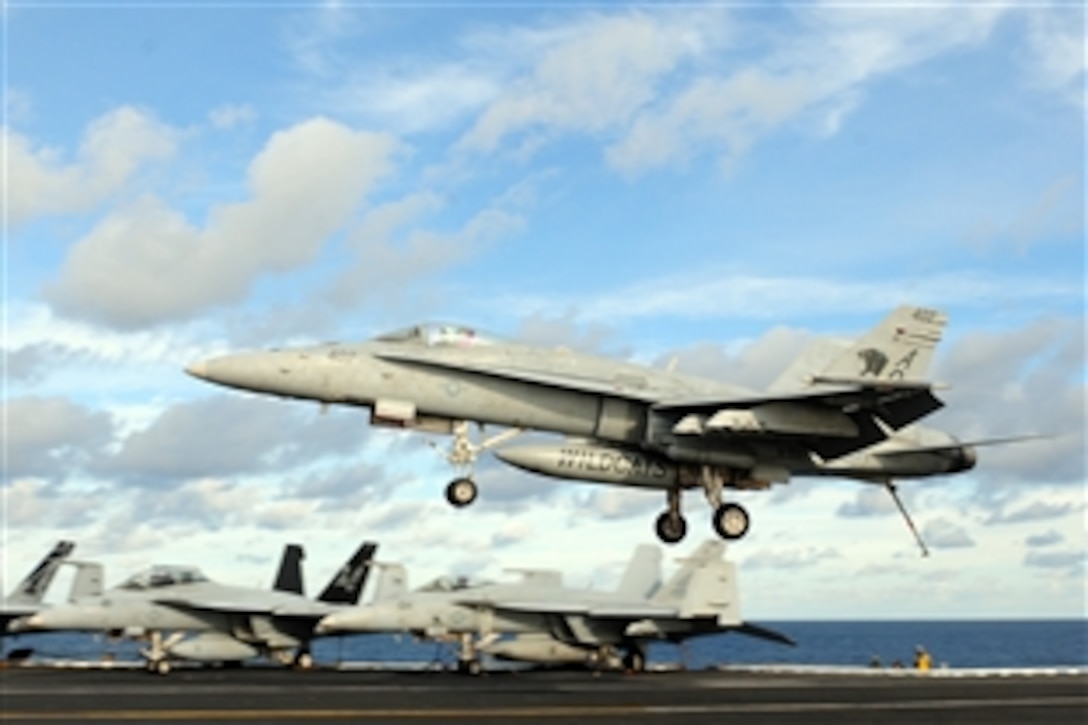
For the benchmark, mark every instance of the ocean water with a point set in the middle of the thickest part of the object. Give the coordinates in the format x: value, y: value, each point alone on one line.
x: 1041, y: 643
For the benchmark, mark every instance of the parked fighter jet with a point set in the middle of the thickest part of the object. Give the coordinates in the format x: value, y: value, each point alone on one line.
x: 26, y: 598
x: 234, y: 623
x: 630, y: 424
x: 554, y: 624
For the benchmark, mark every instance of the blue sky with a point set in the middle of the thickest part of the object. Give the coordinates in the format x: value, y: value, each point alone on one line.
x: 716, y: 182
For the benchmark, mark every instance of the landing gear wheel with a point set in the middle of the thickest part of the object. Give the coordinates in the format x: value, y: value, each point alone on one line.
x: 304, y: 661
x: 634, y: 661
x: 731, y: 521
x: 159, y: 667
x: 671, y: 528
x: 461, y: 492
x: 470, y: 667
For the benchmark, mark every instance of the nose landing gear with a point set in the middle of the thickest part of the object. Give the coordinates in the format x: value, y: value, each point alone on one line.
x: 462, y: 490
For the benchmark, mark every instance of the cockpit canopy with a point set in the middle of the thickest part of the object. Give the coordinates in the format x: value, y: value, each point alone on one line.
x: 439, y: 334
x: 450, y: 584
x: 164, y: 576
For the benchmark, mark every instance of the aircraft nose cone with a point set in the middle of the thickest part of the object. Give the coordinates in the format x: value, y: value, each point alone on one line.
x: 199, y: 369
x: 34, y: 621
x: 328, y: 624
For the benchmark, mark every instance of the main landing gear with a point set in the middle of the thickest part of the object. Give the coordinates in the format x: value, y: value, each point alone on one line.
x: 462, y: 490
x: 730, y: 520
x: 156, y: 655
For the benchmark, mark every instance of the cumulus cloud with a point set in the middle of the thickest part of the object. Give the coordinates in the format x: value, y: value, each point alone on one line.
x: 146, y: 263
x: 1034, y: 511
x: 869, y: 501
x: 31, y: 363
x: 790, y: 558
x: 230, y: 115
x: 588, y: 76
x: 389, y: 259
x: 943, y: 534
x: 1048, y: 538
x: 1027, y: 379
x: 52, y: 437
x: 1071, y: 560
x: 1057, y: 61
x: 35, y: 505
x: 822, y: 70
x: 113, y: 150
x: 226, y: 436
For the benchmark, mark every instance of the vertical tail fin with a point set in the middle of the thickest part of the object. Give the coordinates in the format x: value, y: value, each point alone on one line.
x: 643, y: 573
x: 392, y: 582
x: 705, y: 585
x: 87, y: 581
x: 347, y: 584
x: 32, y: 588
x: 289, y: 574
x: 900, y: 348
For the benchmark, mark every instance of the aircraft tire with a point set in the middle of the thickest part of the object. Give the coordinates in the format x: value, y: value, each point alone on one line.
x: 671, y: 529
x: 470, y: 667
x: 304, y: 661
x: 731, y: 521
x: 461, y: 492
x: 634, y: 661
x: 159, y: 667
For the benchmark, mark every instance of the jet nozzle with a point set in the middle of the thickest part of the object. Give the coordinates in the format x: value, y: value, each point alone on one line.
x: 966, y: 458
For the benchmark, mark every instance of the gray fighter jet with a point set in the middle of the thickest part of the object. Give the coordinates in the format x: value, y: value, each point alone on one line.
x: 26, y: 598
x: 630, y: 424
x: 555, y: 624
x: 165, y: 603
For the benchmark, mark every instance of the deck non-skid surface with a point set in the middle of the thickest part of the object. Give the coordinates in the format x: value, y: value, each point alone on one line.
x: 278, y: 696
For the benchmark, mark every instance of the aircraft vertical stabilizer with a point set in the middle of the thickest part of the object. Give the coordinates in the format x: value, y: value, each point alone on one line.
x: 899, y: 349
x: 642, y: 576
x: 347, y: 584
x: 289, y: 575
x: 87, y: 581
x: 31, y: 589
x: 392, y: 582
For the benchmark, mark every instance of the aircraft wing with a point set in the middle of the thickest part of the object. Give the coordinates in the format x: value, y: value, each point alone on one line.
x: 620, y: 386
x: 601, y: 610
x: 302, y: 611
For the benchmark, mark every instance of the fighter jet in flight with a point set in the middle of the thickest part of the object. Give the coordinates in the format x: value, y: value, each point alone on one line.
x: 631, y: 424
x: 26, y: 598
x: 232, y: 623
x: 554, y: 624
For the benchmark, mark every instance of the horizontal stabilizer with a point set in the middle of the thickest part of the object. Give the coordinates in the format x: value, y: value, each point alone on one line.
x: 754, y: 630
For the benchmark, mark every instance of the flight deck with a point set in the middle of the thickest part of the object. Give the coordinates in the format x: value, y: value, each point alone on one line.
x: 366, y: 694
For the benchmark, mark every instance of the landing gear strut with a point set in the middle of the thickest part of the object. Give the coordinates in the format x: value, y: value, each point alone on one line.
x: 462, y: 490
x: 671, y: 526
x: 157, y: 659
x: 468, y: 658
x: 730, y: 520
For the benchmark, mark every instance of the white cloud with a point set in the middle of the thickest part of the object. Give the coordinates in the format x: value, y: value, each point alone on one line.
x: 1057, y: 61
x: 50, y: 436
x: 589, y: 75
x: 113, y: 149
x: 726, y: 294
x: 230, y: 115
x: 944, y: 534
x: 146, y: 263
